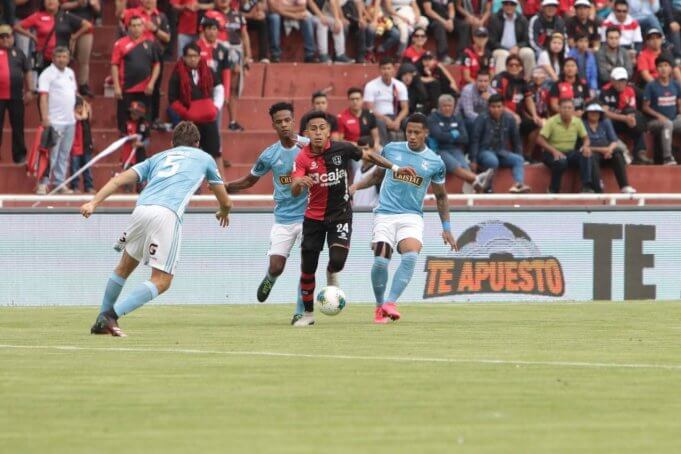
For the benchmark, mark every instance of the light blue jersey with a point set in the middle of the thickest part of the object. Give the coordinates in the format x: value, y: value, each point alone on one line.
x: 278, y: 159
x: 174, y: 175
x: 404, y: 194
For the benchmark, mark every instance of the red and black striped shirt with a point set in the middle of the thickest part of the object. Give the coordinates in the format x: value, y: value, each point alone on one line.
x: 135, y: 60
x: 328, y: 198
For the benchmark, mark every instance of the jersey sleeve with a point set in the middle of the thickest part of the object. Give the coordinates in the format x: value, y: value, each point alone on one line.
x: 212, y: 173
x: 353, y: 152
x: 143, y: 169
x: 439, y: 174
x: 262, y: 165
x: 116, y: 55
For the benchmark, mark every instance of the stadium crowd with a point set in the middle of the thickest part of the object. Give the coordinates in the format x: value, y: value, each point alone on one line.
x: 556, y: 81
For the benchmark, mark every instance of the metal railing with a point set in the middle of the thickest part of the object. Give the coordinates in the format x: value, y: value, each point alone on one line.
x: 469, y: 199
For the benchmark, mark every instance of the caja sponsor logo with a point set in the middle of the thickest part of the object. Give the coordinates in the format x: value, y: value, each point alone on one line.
x: 331, y: 178
x: 494, y: 257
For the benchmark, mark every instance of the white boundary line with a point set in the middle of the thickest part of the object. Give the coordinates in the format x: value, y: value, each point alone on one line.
x: 403, y: 359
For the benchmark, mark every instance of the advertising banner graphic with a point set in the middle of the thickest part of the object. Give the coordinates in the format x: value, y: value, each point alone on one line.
x: 57, y: 258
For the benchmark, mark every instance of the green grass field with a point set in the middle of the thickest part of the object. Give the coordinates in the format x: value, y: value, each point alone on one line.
x: 518, y: 378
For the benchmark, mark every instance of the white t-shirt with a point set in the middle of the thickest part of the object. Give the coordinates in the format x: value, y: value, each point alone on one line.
x: 366, y: 198
x: 60, y: 87
x: 383, y: 96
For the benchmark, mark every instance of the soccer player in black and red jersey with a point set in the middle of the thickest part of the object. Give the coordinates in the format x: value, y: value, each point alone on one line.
x: 323, y: 167
x: 135, y: 67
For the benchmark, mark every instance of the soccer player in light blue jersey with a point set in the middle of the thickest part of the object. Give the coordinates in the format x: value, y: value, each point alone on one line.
x: 278, y: 158
x: 155, y: 230
x: 398, y: 219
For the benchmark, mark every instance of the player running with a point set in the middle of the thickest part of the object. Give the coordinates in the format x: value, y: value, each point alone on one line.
x: 323, y: 167
x: 398, y: 220
x: 288, y: 210
x: 155, y: 230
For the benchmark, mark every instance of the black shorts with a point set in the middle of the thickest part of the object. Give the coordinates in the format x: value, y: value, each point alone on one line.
x: 335, y: 233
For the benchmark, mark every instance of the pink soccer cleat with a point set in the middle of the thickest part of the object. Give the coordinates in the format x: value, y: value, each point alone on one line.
x: 379, y: 316
x: 390, y: 310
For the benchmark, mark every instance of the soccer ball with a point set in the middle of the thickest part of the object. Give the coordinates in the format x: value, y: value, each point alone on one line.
x: 331, y: 300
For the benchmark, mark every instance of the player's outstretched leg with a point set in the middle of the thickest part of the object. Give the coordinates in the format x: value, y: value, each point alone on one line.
x: 401, y: 279
x: 277, y: 264
x: 379, y: 278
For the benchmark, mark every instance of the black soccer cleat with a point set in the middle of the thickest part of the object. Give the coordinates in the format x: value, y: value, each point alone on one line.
x: 264, y: 289
x: 107, y: 325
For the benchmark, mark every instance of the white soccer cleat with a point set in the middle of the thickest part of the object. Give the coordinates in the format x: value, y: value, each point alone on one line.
x: 307, y: 319
x: 628, y: 190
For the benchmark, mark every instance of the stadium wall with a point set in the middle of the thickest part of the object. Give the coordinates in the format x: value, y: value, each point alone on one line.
x: 53, y: 257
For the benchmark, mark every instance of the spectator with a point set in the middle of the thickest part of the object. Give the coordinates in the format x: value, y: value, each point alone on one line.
x: 552, y: 58
x: 416, y: 90
x: 644, y: 12
x: 645, y: 63
x: 570, y: 86
x: 81, y: 150
x: 356, y: 122
x: 368, y: 197
x: 517, y: 97
x: 135, y: 68
x: 621, y: 105
x: 7, y: 12
x: 378, y: 25
x: 320, y: 103
x: 387, y: 98
x: 188, y: 20
x: 661, y: 102
x: 605, y: 149
x: 255, y: 12
x: 233, y: 34
x: 15, y: 89
x: 57, y: 88
x: 476, y: 57
x: 474, y: 99
x: 581, y: 23
x: 157, y: 30
x: 539, y: 90
x: 611, y: 56
x: 469, y: 16
x: 88, y: 10
x: 25, y: 8
x: 508, y: 35
x: 630, y: 38
x: 447, y: 136
x: 406, y: 16
x: 440, y: 14
x: 671, y: 14
x: 291, y: 12
x: 496, y: 142
x: 587, y: 69
x: 327, y: 16
x: 414, y: 52
x: 52, y: 27
x: 195, y: 96
x: 544, y: 24
x: 559, y: 137
x: 134, y: 152
x: 436, y: 79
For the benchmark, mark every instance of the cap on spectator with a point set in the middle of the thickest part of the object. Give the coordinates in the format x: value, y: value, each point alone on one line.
x: 582, y: 3
x: 406, y: 68
x: 619, y: 74
x: 595, y: 107
x: 5, y: 29
x: 549, y: 3
x: 209, y: 22
x: 653, y: 31
x: 480, y: 31
x: 139, y: 107
x: 515, y: 2
x: 427, y: 55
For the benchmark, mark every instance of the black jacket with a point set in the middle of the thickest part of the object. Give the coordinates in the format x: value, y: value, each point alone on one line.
x: 496, y: 30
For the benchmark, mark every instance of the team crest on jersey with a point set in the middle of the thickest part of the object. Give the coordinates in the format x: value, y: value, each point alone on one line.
x: 416, y: 180
x: 424, y: 165
x: 313, y: 165
x: 285, y: 179
x: 337, y: 160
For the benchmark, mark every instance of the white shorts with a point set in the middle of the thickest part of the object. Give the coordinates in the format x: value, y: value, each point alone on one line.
x: 283, y: 237
x: 393, y: 228
x: 153, y: 237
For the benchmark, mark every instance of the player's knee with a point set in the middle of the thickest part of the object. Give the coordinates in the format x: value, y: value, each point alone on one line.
x: 383, y: 249
x: 337, y: 256
x: 310, y: 259
x: 277, y: 264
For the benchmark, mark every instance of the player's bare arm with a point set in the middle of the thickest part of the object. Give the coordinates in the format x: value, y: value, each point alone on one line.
x: 122, y: 179
x: 299, y: 183
x: 443, y: 210
x: 242, y: 183
x: 222, y: 215
x: 368, y: 181
x: 382, y: 162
